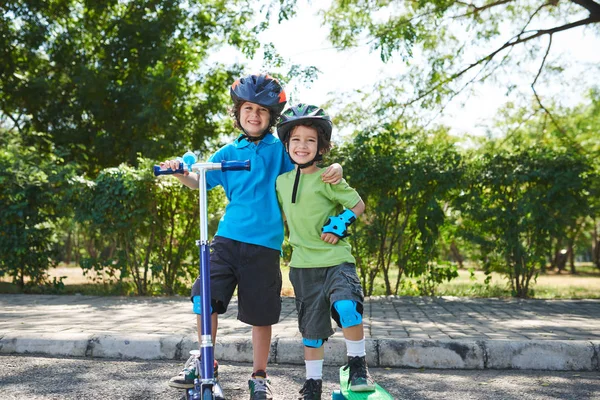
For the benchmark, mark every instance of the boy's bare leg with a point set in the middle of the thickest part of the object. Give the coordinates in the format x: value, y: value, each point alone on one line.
x: 261, y: 346
x: 355, y: 332
x: 214, y: 322
x: 311, y: 354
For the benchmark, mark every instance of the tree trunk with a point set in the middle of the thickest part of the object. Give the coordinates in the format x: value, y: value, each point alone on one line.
x: 68, y: 248
x: 571, y: 254
x: 456, y: 254
x: 560, y: 259
x: 596, y: 247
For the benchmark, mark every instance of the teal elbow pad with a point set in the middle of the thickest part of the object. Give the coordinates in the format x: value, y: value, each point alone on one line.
x: 338, y: 225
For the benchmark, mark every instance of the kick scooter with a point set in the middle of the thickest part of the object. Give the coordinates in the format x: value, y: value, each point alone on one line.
x: 205, y: 387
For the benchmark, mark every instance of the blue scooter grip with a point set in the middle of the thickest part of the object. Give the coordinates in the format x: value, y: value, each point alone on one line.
x: 159, y: 171
x: 235, y: 165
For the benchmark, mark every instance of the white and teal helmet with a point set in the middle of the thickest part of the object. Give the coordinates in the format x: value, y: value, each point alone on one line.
x: 301, y: 114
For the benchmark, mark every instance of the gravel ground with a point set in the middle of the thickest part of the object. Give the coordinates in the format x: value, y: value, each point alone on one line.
x: 36, y: 377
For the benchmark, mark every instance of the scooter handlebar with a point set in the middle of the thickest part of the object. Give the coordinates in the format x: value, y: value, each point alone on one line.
x: 160, y: 171
x: 235, y: 165
x: 223, y: 166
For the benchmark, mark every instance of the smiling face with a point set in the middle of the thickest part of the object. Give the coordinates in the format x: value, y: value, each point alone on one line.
x: 254, y: 118
x: 303, y: 146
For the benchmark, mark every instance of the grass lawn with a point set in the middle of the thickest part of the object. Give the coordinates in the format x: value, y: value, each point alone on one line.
x: 583, y: 285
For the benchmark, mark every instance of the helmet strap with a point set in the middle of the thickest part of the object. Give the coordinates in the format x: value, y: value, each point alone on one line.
x: 252, y: 139
x: 318, y: 157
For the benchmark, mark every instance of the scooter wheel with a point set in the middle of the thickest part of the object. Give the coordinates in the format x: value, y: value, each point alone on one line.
x: 207, y: 394
x: 337, y: 395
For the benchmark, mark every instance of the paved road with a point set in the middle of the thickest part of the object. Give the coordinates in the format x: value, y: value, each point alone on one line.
x: 415, y: 332
x: 27, y: 377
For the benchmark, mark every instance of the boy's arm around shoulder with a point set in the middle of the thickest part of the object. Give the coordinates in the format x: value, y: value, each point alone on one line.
x: 333, y: 174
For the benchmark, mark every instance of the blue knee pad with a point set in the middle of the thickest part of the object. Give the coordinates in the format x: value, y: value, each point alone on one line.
x: 314, y: 343
x: 349, y: 315
x: 198, y: 305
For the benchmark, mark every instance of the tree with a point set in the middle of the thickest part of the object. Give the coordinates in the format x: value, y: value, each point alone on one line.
x: 532, y: 128
x: 461, y: 42
x: 107, y: 80
x: 405, y: 178
x: 174, y: 209
x: 31, y: 203
x: 515, y: 203
x: 91, y: 85
x: 142, y: 227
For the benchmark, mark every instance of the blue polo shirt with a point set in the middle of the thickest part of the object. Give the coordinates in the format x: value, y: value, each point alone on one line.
x: 253, y: 214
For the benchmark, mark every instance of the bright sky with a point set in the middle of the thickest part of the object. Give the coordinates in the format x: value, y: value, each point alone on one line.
x: 303, y: 41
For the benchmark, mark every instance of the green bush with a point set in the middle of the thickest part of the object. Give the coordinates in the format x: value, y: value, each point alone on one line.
x: 513, y: 204
x: 31, y: 202
x: 143, y: 228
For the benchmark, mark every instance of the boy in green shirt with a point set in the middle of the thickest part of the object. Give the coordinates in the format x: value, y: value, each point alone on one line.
x: 322, y: 268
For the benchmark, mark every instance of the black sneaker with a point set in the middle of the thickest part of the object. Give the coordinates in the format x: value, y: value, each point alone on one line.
x: 260, y: 386
x: 311, y: 390
x: 359, y: 379
x: 185, y: 379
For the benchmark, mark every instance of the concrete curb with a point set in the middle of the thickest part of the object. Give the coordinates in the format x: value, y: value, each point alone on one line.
x: 556, y: 355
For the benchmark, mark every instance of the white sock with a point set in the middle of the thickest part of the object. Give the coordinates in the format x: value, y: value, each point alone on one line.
x: 314, y: 369
x: 356, y: 348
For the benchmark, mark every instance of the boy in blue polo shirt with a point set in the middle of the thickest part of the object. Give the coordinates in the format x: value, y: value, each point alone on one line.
x: 246, y: 249
x: 322, y: 268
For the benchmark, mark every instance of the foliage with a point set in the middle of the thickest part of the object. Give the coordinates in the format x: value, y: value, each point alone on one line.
x: 106, y: 80
x: 513, y: 204
x: 176, y: 219
x: 142, y: 228
x: 404, y: 179
x: 117, y: 206
x: 460, y: 42
x: 89, y: 85
x: 573, y: 130
x: 31, y: 191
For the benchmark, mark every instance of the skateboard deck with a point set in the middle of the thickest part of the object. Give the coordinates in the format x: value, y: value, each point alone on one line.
x: 379, y: 393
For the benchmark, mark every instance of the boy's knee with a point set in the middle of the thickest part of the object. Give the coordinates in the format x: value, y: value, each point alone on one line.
x: 346, y: 313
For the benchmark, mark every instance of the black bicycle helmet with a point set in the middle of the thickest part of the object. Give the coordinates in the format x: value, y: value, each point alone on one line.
x: 260, y: 89
x: 299, y: 114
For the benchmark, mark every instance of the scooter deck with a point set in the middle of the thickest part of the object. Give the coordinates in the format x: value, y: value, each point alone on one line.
x: 379, y: 393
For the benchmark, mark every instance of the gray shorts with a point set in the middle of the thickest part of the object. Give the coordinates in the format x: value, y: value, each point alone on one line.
x: 316, y: 289
x: 254, y: 270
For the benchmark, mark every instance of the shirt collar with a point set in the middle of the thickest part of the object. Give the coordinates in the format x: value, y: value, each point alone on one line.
x: 268, y: 139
